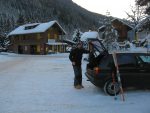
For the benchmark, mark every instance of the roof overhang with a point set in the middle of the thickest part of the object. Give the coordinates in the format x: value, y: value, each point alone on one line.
x: 129, y: 27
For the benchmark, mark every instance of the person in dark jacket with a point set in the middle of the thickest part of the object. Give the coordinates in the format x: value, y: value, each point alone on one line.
x: 76, y: 58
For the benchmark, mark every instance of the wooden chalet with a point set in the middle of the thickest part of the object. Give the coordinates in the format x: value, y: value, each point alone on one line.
x: 37, y: 38
x: 123, y: 28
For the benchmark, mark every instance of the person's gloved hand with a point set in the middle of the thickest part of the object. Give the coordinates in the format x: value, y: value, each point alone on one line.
x: 73, y: 63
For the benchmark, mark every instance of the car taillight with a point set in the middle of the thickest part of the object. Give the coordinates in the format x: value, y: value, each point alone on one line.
x: 96, y: 70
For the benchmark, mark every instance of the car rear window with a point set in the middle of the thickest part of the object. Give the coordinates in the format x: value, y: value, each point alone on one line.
x: 106, y: 61
x: 98, y: 47
x: 145, y: 58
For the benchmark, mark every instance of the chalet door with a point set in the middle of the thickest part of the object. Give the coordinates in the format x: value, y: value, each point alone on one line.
x: 20, y: 49
x: 33, y: 49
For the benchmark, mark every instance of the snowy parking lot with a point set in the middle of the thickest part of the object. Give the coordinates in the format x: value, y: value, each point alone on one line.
x: 44, y: 84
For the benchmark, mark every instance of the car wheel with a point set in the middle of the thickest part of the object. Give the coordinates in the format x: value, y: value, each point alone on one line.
x: 109, y: 88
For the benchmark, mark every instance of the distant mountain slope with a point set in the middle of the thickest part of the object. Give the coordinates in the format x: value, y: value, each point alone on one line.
x: 69, y: 14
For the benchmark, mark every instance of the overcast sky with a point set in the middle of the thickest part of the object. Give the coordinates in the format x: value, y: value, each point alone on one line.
x: 117, y: 8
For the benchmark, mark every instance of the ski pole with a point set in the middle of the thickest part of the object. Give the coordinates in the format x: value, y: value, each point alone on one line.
x: 113, y: 78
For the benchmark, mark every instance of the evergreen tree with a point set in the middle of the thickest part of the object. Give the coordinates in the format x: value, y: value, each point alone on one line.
x: 20, y: 20
x: 77, y: 35
x: 4, y: 42
x: 12, y: 23
x: 110, y: 38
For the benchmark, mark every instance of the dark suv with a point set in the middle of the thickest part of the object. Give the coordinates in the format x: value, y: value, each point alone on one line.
x: 134, y: 68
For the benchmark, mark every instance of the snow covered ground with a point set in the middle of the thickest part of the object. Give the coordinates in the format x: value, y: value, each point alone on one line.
x: 44, y: 84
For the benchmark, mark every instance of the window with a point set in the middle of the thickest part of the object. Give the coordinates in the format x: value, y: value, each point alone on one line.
x: 49, y: 36
x: 50, y: 47
x: 106, y: 61
x: 55, y: 36
x: 38, y: 48
x: 24, y: 38
x: 31, y: 27
x: 126, y: 59
x: 25, y: 48
x: 145, y: 58
x: 97, y: 47
x: 19, y: 38
x: 38, y: 36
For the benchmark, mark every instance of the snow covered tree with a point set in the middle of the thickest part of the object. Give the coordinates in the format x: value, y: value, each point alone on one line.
x: 109, y: 34
x: 110, y: 37
x: 4, y: 42
x: 77, y: 35
x: 145, y: 4
x: 136, y: 15
x: 145, y: 23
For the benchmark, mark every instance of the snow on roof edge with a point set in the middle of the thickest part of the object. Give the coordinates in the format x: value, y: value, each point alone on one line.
x: 122, y: 22
x: 42, y: 27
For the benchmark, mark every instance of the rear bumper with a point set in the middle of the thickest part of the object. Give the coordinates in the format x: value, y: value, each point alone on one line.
x: 95, y: 80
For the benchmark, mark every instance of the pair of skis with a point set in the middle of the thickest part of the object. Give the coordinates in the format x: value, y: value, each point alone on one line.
x: 118, y: 78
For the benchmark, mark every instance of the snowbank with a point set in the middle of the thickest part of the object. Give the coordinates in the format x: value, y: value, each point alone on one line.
x: 44, y: 84
x: 5, y: 57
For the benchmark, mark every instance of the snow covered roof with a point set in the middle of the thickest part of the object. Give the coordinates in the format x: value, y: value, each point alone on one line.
x: 89, y: 35
x: 102, y: 28
x: 122, y: 21
x: 34, y: 28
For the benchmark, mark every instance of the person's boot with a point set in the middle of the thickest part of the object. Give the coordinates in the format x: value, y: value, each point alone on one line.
x: 82, y: 86
x: 78, y: 86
